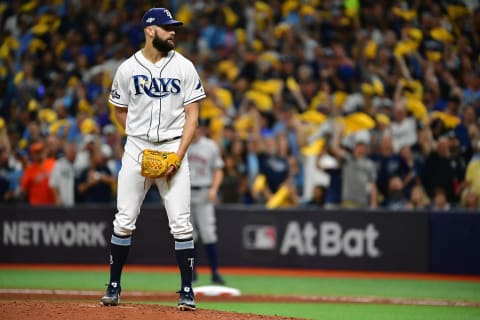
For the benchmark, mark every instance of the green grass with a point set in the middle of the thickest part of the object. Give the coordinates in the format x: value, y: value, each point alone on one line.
x: 169, y: 282
x: 144, y: 281
x: 329, y: 311
x: 351, y: 311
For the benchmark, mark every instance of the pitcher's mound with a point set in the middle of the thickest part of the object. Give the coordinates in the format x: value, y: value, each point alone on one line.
x: 55, y: 310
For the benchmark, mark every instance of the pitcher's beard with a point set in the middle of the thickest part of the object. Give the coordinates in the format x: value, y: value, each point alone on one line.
x: 163, y: 46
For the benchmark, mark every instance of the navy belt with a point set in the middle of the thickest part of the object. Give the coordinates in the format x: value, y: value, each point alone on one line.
x: 168, y: 140
x: 200, y: 187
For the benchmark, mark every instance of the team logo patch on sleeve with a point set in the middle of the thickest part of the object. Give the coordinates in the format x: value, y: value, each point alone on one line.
x: 114, y: 92
x: 199, y: 85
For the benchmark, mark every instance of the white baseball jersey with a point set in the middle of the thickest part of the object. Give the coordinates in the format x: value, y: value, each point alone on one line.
x: 155, y: 94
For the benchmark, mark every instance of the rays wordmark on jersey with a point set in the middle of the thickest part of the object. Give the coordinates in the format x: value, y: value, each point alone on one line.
x: 155, y: 87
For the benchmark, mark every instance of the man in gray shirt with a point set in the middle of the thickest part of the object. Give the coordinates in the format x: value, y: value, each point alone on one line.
x: 359, y: 189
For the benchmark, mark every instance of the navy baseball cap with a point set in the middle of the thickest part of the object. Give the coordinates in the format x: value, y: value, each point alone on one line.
x: 159, y: 17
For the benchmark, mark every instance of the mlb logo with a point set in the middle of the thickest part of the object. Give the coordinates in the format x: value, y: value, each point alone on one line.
x: 259, y: 237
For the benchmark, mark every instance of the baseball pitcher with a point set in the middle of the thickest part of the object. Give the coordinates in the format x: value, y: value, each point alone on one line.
x: 155, y: 93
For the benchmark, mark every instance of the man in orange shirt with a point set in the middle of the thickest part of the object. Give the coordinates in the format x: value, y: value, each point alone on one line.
x: 36, y: 175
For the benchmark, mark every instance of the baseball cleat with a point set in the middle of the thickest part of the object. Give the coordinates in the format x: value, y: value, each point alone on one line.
x: 112, y: 295
x: 217, y: 279
x: 186, y: 301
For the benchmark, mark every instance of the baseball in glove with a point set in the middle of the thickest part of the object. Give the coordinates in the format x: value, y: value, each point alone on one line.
x: 156, y: 163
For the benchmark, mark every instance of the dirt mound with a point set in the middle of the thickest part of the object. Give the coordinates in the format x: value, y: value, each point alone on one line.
x: 51, y: 304
x: 55, y: 310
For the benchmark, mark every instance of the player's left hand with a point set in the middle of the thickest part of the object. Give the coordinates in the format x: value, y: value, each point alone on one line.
x: 170, y: 171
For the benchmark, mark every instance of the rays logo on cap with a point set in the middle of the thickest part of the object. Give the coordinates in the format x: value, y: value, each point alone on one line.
x: 159, y: 17
x: 168, y: 14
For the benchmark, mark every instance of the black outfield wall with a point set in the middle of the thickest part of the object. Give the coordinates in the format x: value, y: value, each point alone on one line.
x: 255, y: 237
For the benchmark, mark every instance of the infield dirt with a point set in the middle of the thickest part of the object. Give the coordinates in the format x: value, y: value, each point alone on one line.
x: 55, y: 310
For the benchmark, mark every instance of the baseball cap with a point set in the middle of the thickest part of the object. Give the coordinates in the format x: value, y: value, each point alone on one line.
x: 36, y: 146
x: 159, y: 17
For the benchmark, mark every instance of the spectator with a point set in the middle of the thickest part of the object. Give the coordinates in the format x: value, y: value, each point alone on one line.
x: 228, y: 135
x: 238, y: 152
x: 410, y: 169
x: 458, y: 161
x: 396, y: 199
x: 404, y: 131
x: 52, y: 147
x: 469, y: 119
x: 440, y: 200
x: 288, y: 125
x: 318, y: 198
x: 10, y: 174
x: 388, y: 165
x: 333, y: 190
x: 272, y: 165
x: 35, y: 179
x: 28, y: 86
x: 32, y: 132
x: 95, y: 184
x: 84, y: 155
x: 471, y: 91
x: 113, y: 141
x: 63, y: 177
x: 418, y: 199
x: 359, y: 189
x: 470, y: 200
x: 439, y: 161
x: 295, y: 174
x: 472, y: 175
x: 233, y: 185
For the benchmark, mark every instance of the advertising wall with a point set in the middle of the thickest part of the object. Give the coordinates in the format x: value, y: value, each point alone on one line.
x: 54, y: 235
x: 349, y: 240
x: 326, y: 239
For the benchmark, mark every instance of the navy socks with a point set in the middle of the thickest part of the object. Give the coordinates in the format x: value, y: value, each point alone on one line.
x: 185, y: 260
x: 119, y: 248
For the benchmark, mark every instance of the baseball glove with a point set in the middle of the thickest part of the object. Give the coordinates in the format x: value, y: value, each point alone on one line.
x: 155, y: 163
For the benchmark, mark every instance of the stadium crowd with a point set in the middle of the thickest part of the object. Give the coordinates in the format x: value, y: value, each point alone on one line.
x: 326, y: 103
